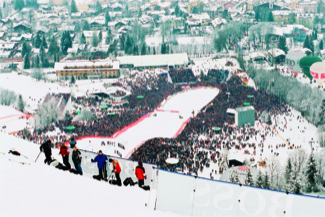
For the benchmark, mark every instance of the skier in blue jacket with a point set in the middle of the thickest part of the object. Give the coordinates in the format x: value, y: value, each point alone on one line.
x: 101, y: 164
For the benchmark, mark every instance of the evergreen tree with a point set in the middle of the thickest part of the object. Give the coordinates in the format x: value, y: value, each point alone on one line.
x: 100, y: 36
x: 94, y: 40
x: 268, y: 119
x: 311, y: 45
x: 107, y: 18
x: 37, y: 41
x: 266, y: 181
x: 321, y: 45
x: 177, y: 11
x: 25, y: 49
x: 66, y: 42
x: 140, y: 13
x: 282, y: 45
x: 135, y: 50
x: 128, y: 48
x: 0, y: 14
x: 73, y: 7
x: 44, y: 43
x: 295, y: 183
x: 154, y: 51
x: 270, y: 17
x: 73, y: 80
x: 54, y: 47
x: 259, y: 180
x: 163, y: 48
x: 36, y: 63
x: 315, y: 34
x: 99, y: 8
x: 26, y: 61
x: 311, y: 175
x: 288, y: 175
x: 144, y: 49
x: 82, y: 39
x: 306, y: 42
x: 19, y: 4
x: 288, y: 171
x: 257, y: 14
x: 249, y: 178
x: 20, y: 103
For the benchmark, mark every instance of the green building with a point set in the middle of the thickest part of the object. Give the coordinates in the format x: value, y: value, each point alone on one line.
x: 245, y: 115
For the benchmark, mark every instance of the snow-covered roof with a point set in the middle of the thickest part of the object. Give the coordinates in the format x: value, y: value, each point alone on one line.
x: 154, y: 60
x: 275, y: 52
x: 281, y: 13
x: 256, y: 55
x: 218, y: 21
x: 81, y: 63
x: 89, y: 34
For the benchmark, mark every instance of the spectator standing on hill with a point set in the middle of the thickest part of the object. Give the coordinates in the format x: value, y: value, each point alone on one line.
x: 101, y: 160
x: 76, y: 158
x: 72, y: 143
x: 64, y: 152
x: 46, y: 148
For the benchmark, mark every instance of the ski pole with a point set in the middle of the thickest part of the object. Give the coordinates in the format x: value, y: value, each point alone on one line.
x: 38, y: 156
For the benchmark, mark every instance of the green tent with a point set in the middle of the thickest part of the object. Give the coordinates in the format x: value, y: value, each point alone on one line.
x: 216, y: 128
x: 140, y: 97
x: 104, y: 106
x: 111, y: 113
x: 70, y: 128
x: 250, y: 96
x: 78, y: 112
x: 246, y: 104
x: 306, y: 62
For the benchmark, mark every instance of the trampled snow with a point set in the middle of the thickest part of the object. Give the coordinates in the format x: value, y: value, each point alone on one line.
x: 35, y: 189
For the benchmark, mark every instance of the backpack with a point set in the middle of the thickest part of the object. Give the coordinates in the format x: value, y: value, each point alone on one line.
x: 129, y: 181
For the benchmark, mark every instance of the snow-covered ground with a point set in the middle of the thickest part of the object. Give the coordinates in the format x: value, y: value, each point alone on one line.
x: 36, y: 189
x: 166, y: 122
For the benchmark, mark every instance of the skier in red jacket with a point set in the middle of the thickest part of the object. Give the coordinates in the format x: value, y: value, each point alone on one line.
x: 116, y: 170
x: 64, y: 152
x: 140, y: 174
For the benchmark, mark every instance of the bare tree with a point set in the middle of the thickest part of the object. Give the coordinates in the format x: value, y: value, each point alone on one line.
x: 47, y: 114
x: 7, y: 97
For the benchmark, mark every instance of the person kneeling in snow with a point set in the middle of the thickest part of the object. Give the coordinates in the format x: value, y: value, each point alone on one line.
x: 140, y: 173
x: 14, y: 152
x: 117, y: 171
x: 58, y: 165
x: 101, y: 164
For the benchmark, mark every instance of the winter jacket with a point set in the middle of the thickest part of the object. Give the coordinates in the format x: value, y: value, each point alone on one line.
x: 76, y: 156
x: 101, y: 161
x: 46, y: 148
x: 116, y: 165
x: 72, y: 143
x: 140, y: 172
x: 64, y: 150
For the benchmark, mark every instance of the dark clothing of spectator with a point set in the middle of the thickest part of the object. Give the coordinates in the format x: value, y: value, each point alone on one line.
x: 46, y: 148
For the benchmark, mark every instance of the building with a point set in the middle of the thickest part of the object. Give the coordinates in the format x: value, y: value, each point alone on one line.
x: 307, y: 20
x: 281, y: 16
x: 153, y: 61
x: 88, y: 69
x: 309, y: 7
x: 293, y: 4
x: 62, y: 101
x: 89, y: 35
x: 245, y: 115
